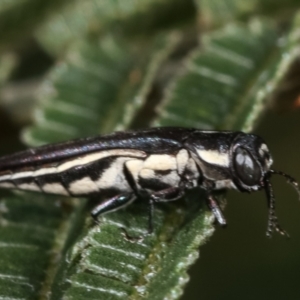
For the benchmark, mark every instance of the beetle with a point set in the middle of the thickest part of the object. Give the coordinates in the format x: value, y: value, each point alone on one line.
x: 156, y: 164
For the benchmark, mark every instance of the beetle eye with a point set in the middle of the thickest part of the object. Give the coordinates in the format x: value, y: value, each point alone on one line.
x: 246, y: 167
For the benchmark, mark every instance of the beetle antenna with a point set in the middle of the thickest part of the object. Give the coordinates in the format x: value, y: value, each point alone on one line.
x: 272, y: 218
x: 289, y: 179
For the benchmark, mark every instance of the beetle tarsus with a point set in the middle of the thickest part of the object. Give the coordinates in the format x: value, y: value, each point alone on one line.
x: 132, y: 239
x: 150, y: 217
x: 216, y: 210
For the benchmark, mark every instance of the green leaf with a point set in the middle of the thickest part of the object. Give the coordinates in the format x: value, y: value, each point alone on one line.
x: 101, y: 86
x: 216, y: 13
x: 29, y: 225
x: 219, y: 12
x: 86, y: 72
x: 19, y: 17
x: 115, y: 268
x: 98, y: 88
x: 102, y: 263
x: 7, y: 63
x: 228, y: 81
x: 129, y: 17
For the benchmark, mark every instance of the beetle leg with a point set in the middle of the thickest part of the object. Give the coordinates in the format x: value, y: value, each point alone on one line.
x: 151, y: 214
x: 112, y: 204
x: 135, y: 239
x: 216, y: 210
x: 166, y: 195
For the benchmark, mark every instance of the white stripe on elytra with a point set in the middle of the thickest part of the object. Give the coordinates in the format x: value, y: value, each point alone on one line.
x: 83, y: 160
x: 214, y: 157
x: 83, y: 186
x: 114, y: 176
x: 29, y: 187
x: 54, y: 188
x: 8, y: 185
x: 160, y: 162
x: 182, y: 158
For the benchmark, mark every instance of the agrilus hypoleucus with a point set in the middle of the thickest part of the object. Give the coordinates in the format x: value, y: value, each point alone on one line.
x: 157, y: 164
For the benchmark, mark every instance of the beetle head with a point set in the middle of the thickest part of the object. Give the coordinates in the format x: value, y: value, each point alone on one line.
x: 250, y: 162
x: 251, y: 170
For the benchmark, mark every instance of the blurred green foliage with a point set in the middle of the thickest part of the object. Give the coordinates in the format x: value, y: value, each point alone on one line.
x: 76, y: 68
